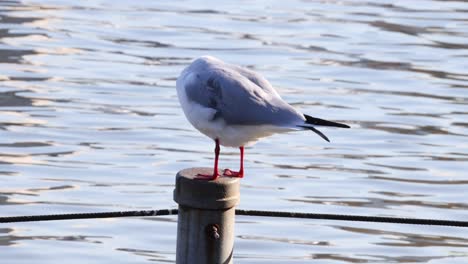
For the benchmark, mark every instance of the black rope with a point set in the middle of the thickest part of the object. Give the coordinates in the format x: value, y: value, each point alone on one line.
x: 361, y: 218
x: 53, y: 217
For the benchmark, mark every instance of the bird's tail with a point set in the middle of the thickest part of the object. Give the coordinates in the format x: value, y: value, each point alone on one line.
x: 313, y: 121
x: 322, y: 122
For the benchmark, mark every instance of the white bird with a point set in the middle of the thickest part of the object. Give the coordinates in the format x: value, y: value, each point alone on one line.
x: 235, y: 107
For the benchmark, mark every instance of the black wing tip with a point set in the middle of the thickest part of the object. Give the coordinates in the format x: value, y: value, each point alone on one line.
x: 322, y: 122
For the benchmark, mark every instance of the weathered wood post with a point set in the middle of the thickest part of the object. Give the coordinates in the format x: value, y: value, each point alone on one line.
x: 205, y: 226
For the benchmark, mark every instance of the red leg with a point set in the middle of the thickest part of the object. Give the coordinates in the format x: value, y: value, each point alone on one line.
x: 240, y: 173
x: 214, y: 176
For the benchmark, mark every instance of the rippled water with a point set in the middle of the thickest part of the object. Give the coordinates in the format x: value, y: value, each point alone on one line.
x: 90, y: 121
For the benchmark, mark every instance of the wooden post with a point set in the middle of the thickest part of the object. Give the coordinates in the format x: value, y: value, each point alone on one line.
x: 205, y: 226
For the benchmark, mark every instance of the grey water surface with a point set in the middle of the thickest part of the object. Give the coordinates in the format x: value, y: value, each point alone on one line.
x: 90, y: 122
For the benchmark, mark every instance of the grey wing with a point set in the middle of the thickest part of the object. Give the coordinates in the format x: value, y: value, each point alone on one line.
x: 240, y: 101
x: 256, y: 78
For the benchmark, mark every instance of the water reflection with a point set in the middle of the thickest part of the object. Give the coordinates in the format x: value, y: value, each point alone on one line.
x: 285, y: 240
x: 436, y: 182
x: 400, y: 239
x: 11, y: 240
x: 374, y: 202
x: 6, y: 19
x: 328, y: 168
x: 395, y: 65
x: 89, y: 119
x: 12, y: 99
x: 14, y: 55
x: 407, y: 129
x: 400, y: 28
x: 150, y: 255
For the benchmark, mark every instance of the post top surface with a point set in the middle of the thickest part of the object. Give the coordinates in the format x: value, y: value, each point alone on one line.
x: 221, y: 193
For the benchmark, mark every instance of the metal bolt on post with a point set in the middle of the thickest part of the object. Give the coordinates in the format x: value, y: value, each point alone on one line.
x: 205, y: 226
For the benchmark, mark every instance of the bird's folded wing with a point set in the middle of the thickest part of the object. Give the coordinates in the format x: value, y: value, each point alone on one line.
x: 238, y: 100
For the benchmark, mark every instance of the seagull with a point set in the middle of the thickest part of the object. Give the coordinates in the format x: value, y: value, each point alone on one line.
x: 235, y: 107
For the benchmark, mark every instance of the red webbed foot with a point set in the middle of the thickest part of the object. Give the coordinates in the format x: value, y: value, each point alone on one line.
x: 207, y: 177
x: 230, y: 173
